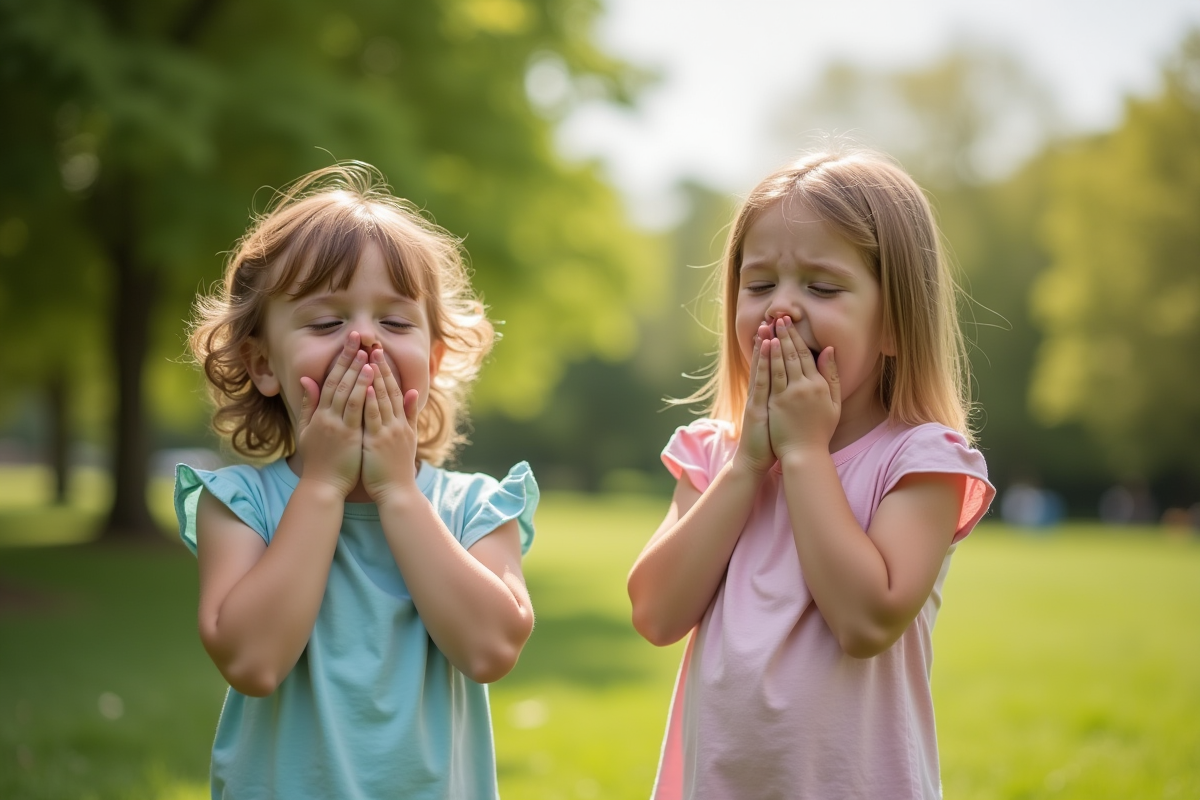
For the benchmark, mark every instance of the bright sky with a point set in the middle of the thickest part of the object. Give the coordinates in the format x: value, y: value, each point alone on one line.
x: 727, y: 64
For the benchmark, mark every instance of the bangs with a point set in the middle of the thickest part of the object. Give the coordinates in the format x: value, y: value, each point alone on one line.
x: 324, y: 250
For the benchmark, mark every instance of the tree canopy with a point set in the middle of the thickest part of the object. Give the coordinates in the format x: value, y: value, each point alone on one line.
x: 1120, y: 303
x: 138, y: 134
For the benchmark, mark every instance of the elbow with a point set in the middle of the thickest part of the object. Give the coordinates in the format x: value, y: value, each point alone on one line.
x: 653, y: 630
x: 862, y: 647
x: 247, y: 677
x: 492, y: 664
x: 241, y: 673
x: 649, y: 621
x: 866, y: 641
x: 492, y: 660
x: 252, y: 683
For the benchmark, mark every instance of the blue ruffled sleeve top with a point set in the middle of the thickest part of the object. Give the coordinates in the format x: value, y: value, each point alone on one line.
x: 372, y: 709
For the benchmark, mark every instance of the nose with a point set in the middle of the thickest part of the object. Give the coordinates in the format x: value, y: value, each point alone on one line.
x: 783, y: 306
x: 368, y: 337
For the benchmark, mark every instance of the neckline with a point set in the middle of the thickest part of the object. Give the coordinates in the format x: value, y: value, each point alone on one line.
x: 283, y: 471
x: 860, y: 444
x: 851, y: 450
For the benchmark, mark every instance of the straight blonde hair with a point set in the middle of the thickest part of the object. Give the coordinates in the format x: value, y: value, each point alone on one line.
x: 880, y: 210
x: 312, y: 236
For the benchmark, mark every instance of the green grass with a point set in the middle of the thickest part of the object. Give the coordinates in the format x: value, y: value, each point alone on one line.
x: 1067, y: 666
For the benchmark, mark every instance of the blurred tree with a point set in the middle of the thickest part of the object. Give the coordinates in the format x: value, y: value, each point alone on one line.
x: 993, y: 231
x: 1120, y: 304
x: 51, y: 347
x: 970, y: 116
x: 606, y: 421
x: 138, y: 132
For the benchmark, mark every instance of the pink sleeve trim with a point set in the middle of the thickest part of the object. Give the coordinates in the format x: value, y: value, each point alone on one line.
x: 695, y: 451
x: 933, y: 448
x: 976, y: 500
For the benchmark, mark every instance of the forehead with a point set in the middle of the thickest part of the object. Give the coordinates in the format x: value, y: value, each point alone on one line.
x: 317, y: 263
x: 793, y: 231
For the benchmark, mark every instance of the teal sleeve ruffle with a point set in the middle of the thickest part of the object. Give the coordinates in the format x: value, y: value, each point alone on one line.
x: 514, y: 497
x: 228, y: 485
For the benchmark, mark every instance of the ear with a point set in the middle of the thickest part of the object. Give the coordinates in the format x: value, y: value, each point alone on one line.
x: 437, y: 350
x: 258, y: 365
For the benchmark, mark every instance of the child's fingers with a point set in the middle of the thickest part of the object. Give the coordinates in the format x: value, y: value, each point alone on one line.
x: 793, y: 363
x: 760, y: 380
x: 353, y: 413
x: 378, y: 390
x: 804, y: 356
x: 410, y: 406
x: 387, y: 386
x: 340, y: 367
x: 345, y: 387
x: 831, y: 375
x: 372, y: 415
x: 309, y: 397
x: 779, y: 376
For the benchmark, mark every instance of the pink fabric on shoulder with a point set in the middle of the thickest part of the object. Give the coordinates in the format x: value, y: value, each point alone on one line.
x: 766, y: 704
x: 700, y: 451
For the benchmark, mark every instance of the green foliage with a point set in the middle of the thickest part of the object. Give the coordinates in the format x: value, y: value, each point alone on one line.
x: 1047, y: 683
x: 606, y: 423
x: 185, y: 109
x: 1120, y: 304
x: 966, y: 117
x: 138, y: 138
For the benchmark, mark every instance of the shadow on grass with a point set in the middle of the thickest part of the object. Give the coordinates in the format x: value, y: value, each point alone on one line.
x: 589, y: 649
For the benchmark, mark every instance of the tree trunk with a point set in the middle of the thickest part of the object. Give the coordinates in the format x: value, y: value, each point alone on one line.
x: 60, y: 433
x: 135, y: 290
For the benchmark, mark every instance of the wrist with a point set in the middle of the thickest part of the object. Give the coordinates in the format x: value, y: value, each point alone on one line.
x: 398, y: 498
x: 801, y: 458
x: 322, y: 489
x: 751, y: 466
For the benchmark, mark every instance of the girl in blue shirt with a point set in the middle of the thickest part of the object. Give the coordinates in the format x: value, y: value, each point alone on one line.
x: 356, y: 596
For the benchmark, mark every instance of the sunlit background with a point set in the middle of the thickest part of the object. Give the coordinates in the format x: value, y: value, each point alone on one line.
x: 591, y: 154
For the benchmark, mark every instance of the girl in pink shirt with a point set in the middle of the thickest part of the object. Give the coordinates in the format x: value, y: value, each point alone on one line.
x: 818, y: 505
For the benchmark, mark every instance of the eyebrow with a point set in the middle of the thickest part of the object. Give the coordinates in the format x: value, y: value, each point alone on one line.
x: 818, y: 266
x: 327, y: 297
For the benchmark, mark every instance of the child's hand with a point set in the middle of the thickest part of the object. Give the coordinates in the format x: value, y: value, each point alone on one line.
x: 329, y: 432
x: 389, y: 452
x: 754, y: 447
x: 805, y: 403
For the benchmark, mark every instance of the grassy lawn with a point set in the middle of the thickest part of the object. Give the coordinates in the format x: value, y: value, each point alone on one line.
x: 1067, y: 665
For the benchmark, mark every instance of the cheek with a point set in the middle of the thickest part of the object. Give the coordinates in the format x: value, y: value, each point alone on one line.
x: 747, y: 320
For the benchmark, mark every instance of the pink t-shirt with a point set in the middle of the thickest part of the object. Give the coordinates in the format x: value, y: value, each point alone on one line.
x: 767, y: 705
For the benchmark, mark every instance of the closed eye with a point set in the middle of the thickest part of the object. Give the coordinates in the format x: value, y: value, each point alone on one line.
x: 397, y: 324
x: 824, y: 291
x: 325, y: 326
x: 758, y: 287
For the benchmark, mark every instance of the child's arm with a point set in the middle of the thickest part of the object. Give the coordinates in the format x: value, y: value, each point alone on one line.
x: 473, y: 602
x: 258, y: 603
x: 870, y: 587
x: 674, y: 579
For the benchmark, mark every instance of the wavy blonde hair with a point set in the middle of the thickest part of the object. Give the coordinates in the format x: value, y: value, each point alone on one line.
x: 312, y: 236
x: 880, y: 210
